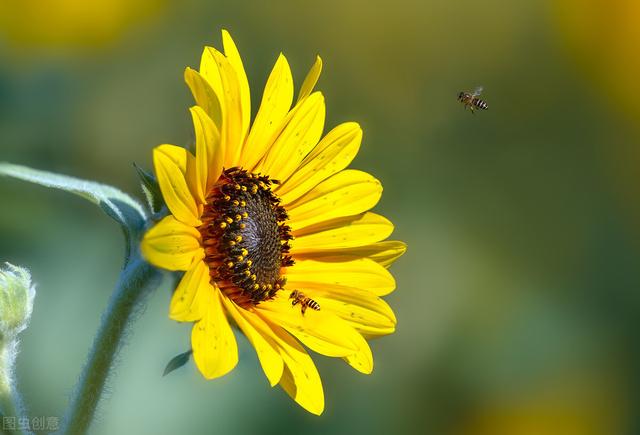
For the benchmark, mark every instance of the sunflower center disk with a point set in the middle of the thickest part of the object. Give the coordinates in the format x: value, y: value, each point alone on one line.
x: 245, y: 238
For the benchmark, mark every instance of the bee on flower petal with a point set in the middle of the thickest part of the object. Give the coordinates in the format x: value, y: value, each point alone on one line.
x: 472, y: 101
x: 299, y: 298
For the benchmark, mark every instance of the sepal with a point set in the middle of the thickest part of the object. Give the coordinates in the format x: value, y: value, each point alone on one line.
x: 177, y: 362
x: 151, y: 190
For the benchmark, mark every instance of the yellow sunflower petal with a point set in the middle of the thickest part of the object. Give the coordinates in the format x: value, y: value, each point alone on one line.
x: 362, y: 360
x: 346, y: 193
x: 276, y: 102
x: 296, y: 140
x: 297, y: 387
x: 334, y: 153
x: 231, y: 130
x: 179, y: 156
x: 210, y: 71
x: 186, y: 303
x: 361, y: 273
x: 265, y: 347
x: 288, y: 384
x: 215, y: 350
x: 170, y: 164
x: 365, y: 312
x: 383, y: 253
x: 231, y: 51
x: 204, y: 95
x: 311, y: 79
x: 342, y: 233
x: 318, y: 330
x: 300, y: 378
x: 172, y: 245
x: 209, y: 152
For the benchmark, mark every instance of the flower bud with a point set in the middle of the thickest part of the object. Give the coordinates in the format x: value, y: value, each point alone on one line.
x: 16, y: 300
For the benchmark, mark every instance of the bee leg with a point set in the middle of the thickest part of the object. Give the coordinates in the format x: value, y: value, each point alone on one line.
x: 304, y: 308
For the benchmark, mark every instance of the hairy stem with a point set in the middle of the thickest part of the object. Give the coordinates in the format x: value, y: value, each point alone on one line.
x: 137, y: 279
x: 10, y: 400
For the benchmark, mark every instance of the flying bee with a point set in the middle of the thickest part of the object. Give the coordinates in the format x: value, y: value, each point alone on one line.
x: 299, y: 298
x: 472, y: 101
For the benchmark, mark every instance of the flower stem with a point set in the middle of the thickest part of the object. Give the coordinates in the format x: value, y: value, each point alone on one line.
x: 10, y: 400
x: 137, y: 279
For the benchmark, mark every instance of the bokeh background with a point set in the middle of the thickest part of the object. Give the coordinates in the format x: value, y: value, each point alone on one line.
x: 518, y: 300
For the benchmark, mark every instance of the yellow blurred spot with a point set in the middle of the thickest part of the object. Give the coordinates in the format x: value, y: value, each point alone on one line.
x: 71, y: 25
x: 570, y: 405
x: 604, y: 37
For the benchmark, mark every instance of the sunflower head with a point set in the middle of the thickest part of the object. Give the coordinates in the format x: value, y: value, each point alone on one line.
x: 274, y: 234
x: 245, y: 237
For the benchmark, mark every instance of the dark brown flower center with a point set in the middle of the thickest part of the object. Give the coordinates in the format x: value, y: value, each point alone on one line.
x: 245, y: 237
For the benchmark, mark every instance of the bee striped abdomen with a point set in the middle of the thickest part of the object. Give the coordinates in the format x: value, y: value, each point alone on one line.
x: 313, y: 305
x: 480, y: 104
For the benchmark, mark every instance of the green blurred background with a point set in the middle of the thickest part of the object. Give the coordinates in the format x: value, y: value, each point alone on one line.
x: 517, y: 301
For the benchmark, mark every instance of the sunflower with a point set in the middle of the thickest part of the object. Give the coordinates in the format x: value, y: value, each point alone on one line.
x: 273, y: 233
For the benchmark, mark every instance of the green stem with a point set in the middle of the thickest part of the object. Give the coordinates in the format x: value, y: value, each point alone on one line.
x: 136, y: 280
x: 10, y: 400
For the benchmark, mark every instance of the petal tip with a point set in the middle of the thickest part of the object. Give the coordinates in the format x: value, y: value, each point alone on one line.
x: 282, y: 58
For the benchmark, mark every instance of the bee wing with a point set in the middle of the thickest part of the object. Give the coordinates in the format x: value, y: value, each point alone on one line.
x: 477, y: 91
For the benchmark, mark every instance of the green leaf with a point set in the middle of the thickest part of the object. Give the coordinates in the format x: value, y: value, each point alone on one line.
x: 151, y: 190
x: 177, y: 362
x: 118, y: 205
